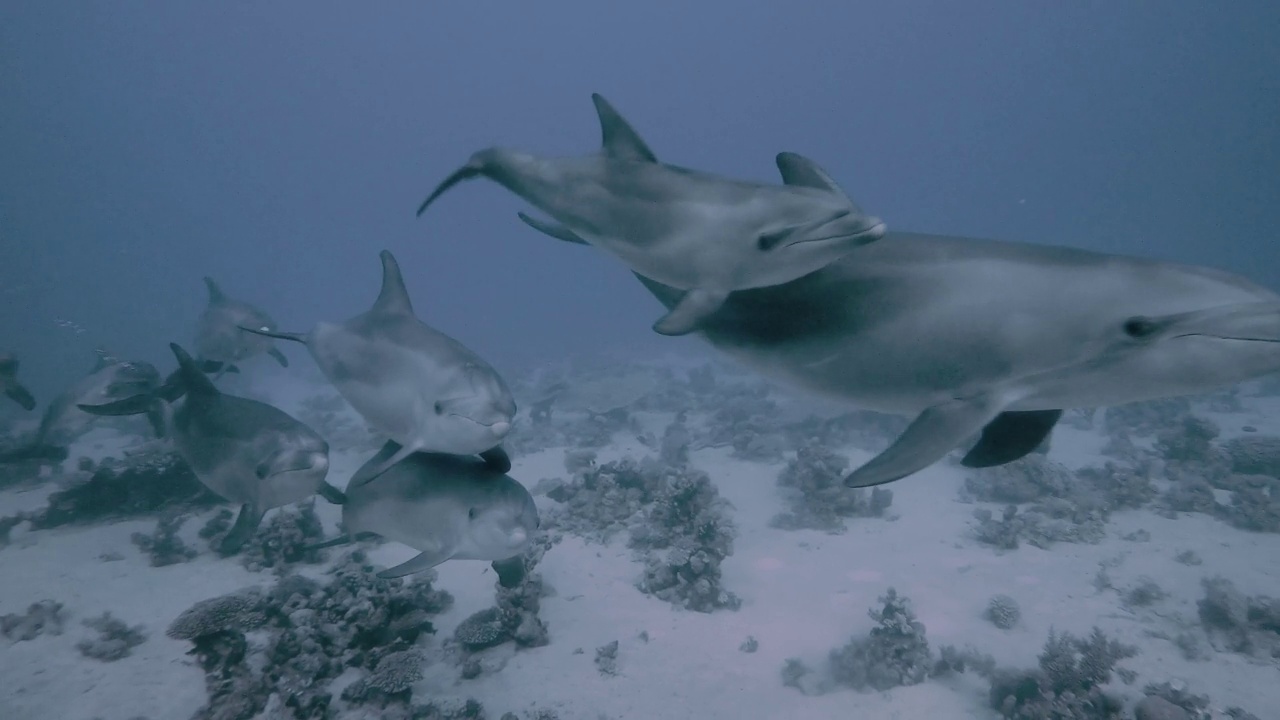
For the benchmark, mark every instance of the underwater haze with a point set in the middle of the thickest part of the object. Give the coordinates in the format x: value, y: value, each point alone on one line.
x: 696, y: 551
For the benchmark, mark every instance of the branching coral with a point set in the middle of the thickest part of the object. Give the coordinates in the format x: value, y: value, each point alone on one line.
x: 1067, y: 683
x: 895, y: 654
x: 817, y: 495
x: 165, y: 546
x: 115, y: 640
x: 44, y: 617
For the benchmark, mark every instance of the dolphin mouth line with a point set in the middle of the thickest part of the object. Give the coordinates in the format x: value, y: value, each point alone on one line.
x: 477, y: 422
x: 1237, y: 338
x: 867, y: 231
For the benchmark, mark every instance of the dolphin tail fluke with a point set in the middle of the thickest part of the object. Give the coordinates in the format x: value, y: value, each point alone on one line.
x: 279, y: 335
x: 1010, y: 436
x: 934, y: 433
x: 332, y: 494
x: 511, y: 572
x: 469, y: 171
x: 21, y: 395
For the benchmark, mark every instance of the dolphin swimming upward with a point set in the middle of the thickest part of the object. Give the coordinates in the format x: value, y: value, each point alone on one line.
x: 994, y: 337
x: 701, y: 233
x: 416, y: 385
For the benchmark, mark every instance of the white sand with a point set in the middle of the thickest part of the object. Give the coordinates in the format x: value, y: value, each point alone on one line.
x: 804, y: 593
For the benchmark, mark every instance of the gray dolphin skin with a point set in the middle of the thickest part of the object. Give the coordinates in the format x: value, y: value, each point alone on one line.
x: 419, y: 387
x: 110, y: 380
x: 990, y: 338
x: 10, y: 386
x: 220, y: 343
x: 448, y: 507
x: 694, y: 231
x: 248, y: 452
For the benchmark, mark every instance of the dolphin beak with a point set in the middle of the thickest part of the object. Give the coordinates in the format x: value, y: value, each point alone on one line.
x: 1254, y: 322
x: 472, y: 169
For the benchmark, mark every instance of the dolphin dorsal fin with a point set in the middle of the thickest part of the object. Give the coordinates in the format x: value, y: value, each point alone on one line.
x: 193, y: 380
x: 393, y: 298
x: 618, y: 139
x: 215, y: 292
x: 800, y: 171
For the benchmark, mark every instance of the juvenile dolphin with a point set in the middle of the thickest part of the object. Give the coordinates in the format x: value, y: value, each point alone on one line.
x: 691, y: 230
x: 412, y: 383
x: 246, y: 451
x: 980, y: 336
x: 110, y: 380
x: 448, y: 507
x: 220, y: 343
x: 9, y: 383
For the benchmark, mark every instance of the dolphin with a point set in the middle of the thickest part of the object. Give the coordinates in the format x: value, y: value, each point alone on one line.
x: 995, y: 339
x: 220, y: 343
x: 9, y: 383
x: 448, y: 507
x: 419, y: 387
x: 246, y: 451
x: 110, y: 380
x: 701, y: 233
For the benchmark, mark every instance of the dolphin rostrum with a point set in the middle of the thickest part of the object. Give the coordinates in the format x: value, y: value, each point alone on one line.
x: 701, y: 233
x: 419, y: 387
x: 995, y: 339
x: 246, y: 451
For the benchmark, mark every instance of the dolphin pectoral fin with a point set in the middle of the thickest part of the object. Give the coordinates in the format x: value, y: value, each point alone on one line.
x: 497, y: 459
x: 390, y: 454
x: 279, y: 357
x: 510, y: 572
x: 331, y: 493
x: 554, y: 229
x: 21, y: 395
x: 284, y: 461
x: 934, y: 433
x: 210, y: 366
x: 696, y: 306
x: 246, y: 525
x: 135, y: 405
x: 424, y: 561
x: 155, y: 416
x: 1011, y: 435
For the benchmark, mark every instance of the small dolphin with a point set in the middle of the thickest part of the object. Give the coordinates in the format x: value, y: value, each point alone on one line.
x: 412, y: 383
x: 9, y: 382
x: 448, y: 507
x: 702, y: 233
x: 220, y: 343
x: 246, y: 451
x: 989, y: 338
x: 110, y: 380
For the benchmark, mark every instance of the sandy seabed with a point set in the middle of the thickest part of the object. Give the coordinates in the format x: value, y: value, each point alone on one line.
x: 803, y: 594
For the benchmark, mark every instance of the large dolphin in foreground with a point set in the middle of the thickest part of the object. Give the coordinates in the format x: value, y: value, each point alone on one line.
x: 702, y: 233
x: 220, y: 343
x: 972, y: 336
x: 448, y: 507
x: 419, y: 387
x: 9, y: 384
x: 246, y: 451
x: 110, y: 380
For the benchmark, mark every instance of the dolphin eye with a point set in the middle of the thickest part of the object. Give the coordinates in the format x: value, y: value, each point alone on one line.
x: 439, y: 407
x: 1139, y: 327
x: 471, y: 514
x: 769, y: 241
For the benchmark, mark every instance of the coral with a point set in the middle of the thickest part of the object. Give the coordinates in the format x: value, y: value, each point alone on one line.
x: 1145, y: 593
x: 1236, y: 622
x: 391, y: 681
x: 865, y: 430
x: 521, y: 604
x: 601, y: 501
x: 1188, y: 557
x: 895, y: 654
x: 483, y: 629
x: 607, y: 658
x: 116, y: 639
x: 1254, y: 455
x: 165, y: 546
x: 1189, y: 453
x: 288, y: 538
x: 1067, y: 682
x: 1028, y: 479
x: 749, y: 645
x: 1144, y: 418
x: 674, y: 447
x: 314, y: 632
x: 42, y: 617
x: 1124, y: 487
x: 1003, y: 612
x: 144, y: 483
x: 1253, y: 509
x: 1057, y: 520
x: 819, y: 499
